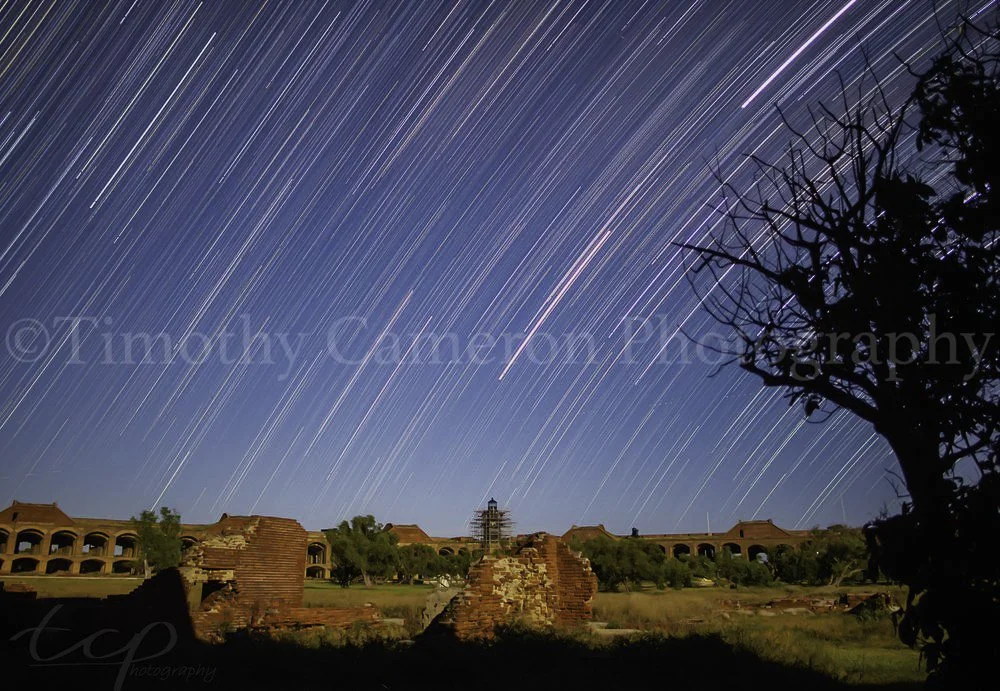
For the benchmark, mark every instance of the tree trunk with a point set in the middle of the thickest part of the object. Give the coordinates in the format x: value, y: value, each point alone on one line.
x: 943, y: 608
x: 919, y: 455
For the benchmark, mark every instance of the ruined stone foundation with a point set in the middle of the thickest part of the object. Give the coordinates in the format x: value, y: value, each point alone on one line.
x: 542, y: 584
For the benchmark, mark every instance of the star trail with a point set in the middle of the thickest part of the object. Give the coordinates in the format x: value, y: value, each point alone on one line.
x: 314, y: 259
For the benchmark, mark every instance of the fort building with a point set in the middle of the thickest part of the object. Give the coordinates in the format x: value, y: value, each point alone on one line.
x: 39, y: 539
x: 746, y: 538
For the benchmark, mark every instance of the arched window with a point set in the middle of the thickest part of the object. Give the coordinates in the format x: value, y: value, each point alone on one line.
x: 62, y: 543
x: 92, y: 566
x: 24, y: 565
x: 317, y: 553
x: 28, y: 541
x: 95, y: 545
x: 58, y: 566
x: 124, y: 566
x: 127, y: 545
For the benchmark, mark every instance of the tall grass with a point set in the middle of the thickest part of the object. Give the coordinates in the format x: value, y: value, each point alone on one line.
x: 839, y: 645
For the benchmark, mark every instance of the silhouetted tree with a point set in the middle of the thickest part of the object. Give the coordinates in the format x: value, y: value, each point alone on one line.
x: 863, y: 275
x: 159, y: 539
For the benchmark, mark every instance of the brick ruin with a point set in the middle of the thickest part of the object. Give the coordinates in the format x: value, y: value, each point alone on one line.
x: 248, y: 572
x: 542, y: 584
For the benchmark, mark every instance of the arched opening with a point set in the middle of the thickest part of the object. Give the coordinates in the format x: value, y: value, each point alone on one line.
x: 95, y: 545
x: 92, y: 566
x: 733, y: 549
x: 187, y: 542
x: 446, y: 552
x: 127, y: 546
x: 24, y: 565
x: 212, y: 591
x: 681, y: 550
x: 706, y: 550
x: 4, y: 538
x: 62, y: 543
x: 58, y: 566
x: 315, y: 572
x: 757, y: 553
x: 317, y: 553
x: 663, y: 548
x: 28, y: 542
x: 463, y: 552
x: 124, y: 566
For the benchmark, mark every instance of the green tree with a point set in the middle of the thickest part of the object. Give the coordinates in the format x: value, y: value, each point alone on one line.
x: 841, y: 554
x: 677, y: 573
x: 796, y: 565
x: 458, y: 565
x: 360, y: 548
x: 159, y: 539
x: 701, y: 566
x: 604, y: 561
x: 625, y: 562
x: 828, y: 557
x: 419, y: 560
x: 742, y: 571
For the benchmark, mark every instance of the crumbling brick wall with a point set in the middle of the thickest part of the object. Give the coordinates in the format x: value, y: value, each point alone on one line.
x: 543, y: 584
x: 330, y: 617
x: 247, y: 569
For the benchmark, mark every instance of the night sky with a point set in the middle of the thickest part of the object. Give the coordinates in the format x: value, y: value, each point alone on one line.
x: 319, y: 259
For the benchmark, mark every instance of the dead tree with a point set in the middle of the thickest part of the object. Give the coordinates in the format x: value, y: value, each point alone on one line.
x: 862, y: 273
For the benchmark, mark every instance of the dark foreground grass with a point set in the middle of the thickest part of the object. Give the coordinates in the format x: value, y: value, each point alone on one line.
x: 516, y: 660
x: 689, y: 643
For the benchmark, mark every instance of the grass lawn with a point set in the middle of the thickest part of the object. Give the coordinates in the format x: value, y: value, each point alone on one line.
x: 665, y: 610
x: 76, y: 586
x: 326, y: 594
x: 393, y: 600
x: 838, y: 645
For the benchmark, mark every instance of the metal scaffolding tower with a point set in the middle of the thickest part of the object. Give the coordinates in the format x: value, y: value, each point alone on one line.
x: 491, y: 526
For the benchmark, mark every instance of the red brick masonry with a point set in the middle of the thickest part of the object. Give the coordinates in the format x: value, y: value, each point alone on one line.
x: 543, y: 584
x: 248, y: 573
